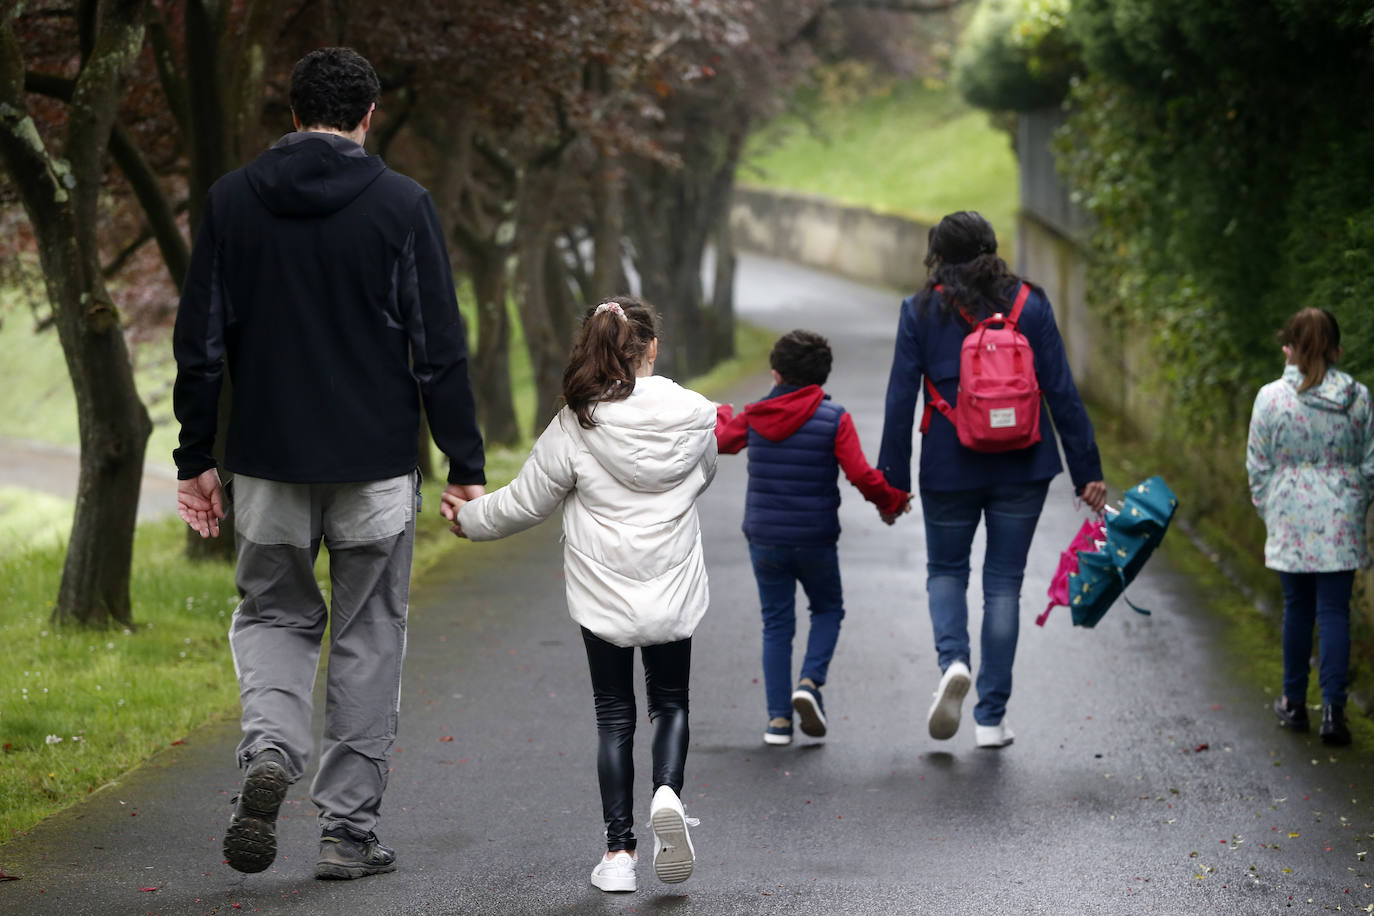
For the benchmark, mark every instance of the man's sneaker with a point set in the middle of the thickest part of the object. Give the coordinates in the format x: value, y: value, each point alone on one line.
x: 999, y: 735
x: 1292, y: 716
x: 616, y: 873
x: 674, y: 856
x: 943, y: 719
x: 250, y: 843
x: 344, y: 855
x: 779, y: 731
x: 806, y: 700
x: 1333, y: 729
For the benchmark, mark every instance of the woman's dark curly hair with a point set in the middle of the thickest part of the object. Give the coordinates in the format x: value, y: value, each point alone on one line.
x: 961, y: 258
x: 333, y: 87
x: 606, y: 354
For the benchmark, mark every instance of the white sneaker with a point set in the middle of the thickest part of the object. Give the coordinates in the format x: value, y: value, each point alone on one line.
x: 616, y: 873
x: 674, y: 856
x: 943, y: 719
x: 999, y: 735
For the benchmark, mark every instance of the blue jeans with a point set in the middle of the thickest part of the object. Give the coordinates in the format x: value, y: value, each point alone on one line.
x: 1323, y: 599
x: 951, y: 518
x: 777, y: 571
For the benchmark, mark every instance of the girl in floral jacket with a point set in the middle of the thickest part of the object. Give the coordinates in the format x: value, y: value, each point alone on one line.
x: 1310, y: 459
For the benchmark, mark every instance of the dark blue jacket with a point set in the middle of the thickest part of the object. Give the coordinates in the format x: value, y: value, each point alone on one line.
x: 798, y: 442
x: 930, y: 345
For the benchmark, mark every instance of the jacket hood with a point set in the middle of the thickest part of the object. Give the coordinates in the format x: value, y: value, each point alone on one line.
x: 1335, y: 393
x: 653, y: 439
x: 784, y: 411
x: 312, y: 174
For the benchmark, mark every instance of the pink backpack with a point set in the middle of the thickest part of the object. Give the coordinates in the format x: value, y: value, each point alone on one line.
x: 998, y: 408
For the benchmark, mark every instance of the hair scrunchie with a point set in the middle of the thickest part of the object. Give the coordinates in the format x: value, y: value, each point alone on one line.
x: 610, y: 307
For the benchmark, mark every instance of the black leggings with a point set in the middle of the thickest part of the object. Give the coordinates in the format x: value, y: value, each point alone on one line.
x: 666, y: 669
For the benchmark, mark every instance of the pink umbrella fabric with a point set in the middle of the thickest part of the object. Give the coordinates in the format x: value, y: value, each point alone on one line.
x: 1089, y: 538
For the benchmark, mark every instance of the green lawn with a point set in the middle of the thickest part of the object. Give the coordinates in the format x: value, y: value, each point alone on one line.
x: 917, y: 151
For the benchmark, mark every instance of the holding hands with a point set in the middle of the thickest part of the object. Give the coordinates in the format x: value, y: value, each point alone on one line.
x: 454, y: 497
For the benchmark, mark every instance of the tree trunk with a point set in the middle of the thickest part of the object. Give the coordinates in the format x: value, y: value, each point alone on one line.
x: 723, y: 291
x: 491, y: 362
x: 547, y: 354
x: 608, y: 271
x: 60, y: 201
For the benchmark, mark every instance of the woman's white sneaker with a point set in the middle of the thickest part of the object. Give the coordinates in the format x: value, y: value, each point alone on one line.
x: 616, y: 873
x: 999, y: 735
x: 674, y: 856
x: 943, y: 719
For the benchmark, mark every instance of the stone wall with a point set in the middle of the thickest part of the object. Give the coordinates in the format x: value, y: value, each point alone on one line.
x: 876, y: 248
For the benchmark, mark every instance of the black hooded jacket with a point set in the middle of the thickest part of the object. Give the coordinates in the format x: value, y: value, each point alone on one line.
x: 320, y: 277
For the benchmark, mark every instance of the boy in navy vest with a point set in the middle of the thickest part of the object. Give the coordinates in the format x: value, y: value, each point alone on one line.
x: 798, y: 441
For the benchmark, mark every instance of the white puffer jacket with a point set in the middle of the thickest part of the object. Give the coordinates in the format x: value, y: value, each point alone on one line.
x: 632, y: 542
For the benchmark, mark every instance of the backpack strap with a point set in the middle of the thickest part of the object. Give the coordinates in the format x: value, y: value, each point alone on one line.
x: 1022, y: 295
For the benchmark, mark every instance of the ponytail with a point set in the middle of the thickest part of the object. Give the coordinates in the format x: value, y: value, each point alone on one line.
x: 1313, y: 339
x: 613, y: 339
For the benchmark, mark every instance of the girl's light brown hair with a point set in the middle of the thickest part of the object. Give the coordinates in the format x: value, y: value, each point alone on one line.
x: 605, y: 354
x: 1313, y: 338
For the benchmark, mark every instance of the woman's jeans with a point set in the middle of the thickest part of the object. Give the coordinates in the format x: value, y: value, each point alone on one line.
x: 666, y: 669
x: 1323, y: 599
x: 951, y: 518
x: 777, y: 570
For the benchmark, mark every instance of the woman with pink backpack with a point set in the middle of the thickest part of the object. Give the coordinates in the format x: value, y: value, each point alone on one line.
x: 975, y: 332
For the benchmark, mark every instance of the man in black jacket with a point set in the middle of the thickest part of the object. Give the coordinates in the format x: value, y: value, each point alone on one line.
x: 321, y: 281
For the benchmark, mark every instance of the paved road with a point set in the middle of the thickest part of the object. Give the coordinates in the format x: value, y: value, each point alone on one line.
x: 1142, y: 780
x: 54, y: 469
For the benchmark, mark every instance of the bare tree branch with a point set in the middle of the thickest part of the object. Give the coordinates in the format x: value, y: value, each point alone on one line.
x: 138, y: 173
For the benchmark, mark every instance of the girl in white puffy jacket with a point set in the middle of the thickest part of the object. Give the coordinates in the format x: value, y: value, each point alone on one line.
x: 626, y: 459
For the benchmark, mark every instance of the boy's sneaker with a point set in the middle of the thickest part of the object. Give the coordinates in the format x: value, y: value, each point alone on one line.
x: 806, y: 700
x: 344, y: 855
x: 674, y: 856
x: 1292, y: 716
x: 779, y: 731
x: 999, y: 735
x: 250, y: 842
x: 616, y: 873
x: 943, y: 719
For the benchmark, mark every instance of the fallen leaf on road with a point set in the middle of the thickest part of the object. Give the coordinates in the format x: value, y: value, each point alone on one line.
x: 446, y: 738
x: 5, y: 877
x: 1200, y: 748
x: 147, y: 888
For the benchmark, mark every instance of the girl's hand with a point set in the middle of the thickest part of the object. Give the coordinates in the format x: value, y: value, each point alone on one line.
x: 1094, y: 494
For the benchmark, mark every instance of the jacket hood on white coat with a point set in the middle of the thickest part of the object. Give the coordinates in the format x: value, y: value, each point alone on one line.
x: 651, y: 440
x: 1335, y: 393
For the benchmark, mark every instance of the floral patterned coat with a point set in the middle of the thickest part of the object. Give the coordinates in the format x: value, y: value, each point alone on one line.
x: 1310, y: 458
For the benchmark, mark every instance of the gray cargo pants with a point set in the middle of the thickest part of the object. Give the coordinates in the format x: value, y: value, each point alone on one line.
x: 277, y: 629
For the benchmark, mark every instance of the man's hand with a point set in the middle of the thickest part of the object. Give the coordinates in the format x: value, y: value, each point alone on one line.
x: 200, y: 503
x: 454, y: 497
x: 1094, y: 494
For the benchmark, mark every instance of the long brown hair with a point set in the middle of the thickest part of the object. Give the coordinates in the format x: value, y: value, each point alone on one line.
x: 961, y: 258
x: 1314, y: 339
x: 608, y: 348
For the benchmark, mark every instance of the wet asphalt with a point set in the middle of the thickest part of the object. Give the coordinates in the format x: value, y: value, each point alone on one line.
x: 1145, y: 778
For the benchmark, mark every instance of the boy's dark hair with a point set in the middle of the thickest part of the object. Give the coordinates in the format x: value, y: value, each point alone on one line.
x: 333, y: 87
x: 801, y: 358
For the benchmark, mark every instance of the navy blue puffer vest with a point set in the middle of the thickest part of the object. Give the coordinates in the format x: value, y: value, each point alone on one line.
x: 793, y: 498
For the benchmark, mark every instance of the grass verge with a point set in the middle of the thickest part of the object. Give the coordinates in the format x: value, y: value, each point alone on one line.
x: 915, y: 150
x: 79, y: 708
